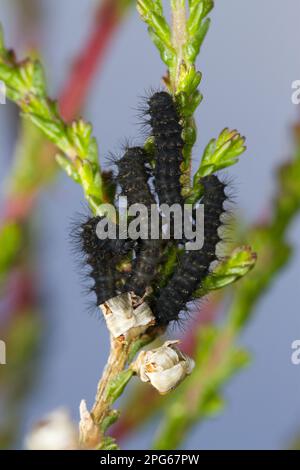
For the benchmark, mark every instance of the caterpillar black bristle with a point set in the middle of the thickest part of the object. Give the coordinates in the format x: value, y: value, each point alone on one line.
x: 167, y: 132
x: 133, y: 178
x: 103, y: 256
x: 101, y: 266
x: 194, y: 266
x: 91, y: 243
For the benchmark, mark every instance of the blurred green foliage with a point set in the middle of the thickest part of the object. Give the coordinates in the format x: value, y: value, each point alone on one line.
x: 217, y: 359
x: 26, y: 85
x: 22, y: 340
x: 10, y: 238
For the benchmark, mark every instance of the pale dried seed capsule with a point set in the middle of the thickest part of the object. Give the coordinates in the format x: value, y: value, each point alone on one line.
x: 127, y: 315
x: 164, y: 367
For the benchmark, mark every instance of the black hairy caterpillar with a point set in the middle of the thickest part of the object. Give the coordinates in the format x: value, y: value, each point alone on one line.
x: 133, y: 178
x: 107, y: 246
x: 144, y: 267
x: 102, y: 256
x: 194, y: 265
x: 168, y: 143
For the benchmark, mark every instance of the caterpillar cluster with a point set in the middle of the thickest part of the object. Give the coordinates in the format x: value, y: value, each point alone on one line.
x: 145, y: 256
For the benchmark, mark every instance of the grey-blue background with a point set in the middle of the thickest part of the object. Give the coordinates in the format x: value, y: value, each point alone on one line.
x: 249, y: 59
